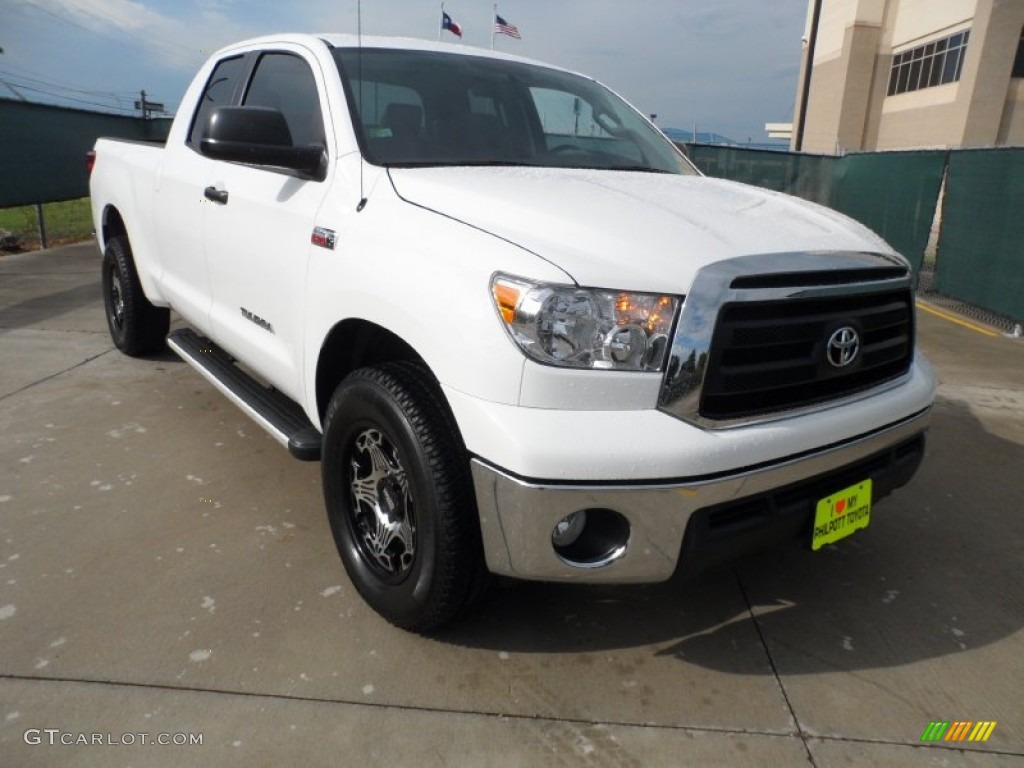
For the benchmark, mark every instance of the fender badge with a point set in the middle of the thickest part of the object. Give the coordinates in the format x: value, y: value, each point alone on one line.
x: 325, y: 238
x: 257, y: 319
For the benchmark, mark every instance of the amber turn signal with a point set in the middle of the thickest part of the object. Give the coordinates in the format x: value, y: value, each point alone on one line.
x: 507, y: 297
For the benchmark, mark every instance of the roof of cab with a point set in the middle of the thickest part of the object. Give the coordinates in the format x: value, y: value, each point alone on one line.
x: 338, y: 40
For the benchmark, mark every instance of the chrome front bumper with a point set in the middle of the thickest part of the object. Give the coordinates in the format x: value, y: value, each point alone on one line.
x: 517, y: 516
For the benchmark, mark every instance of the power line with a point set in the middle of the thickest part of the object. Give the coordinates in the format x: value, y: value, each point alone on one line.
x: 62, y: 87
x: 71, y: 98
x: 43, y: 77
x: 171, y: 49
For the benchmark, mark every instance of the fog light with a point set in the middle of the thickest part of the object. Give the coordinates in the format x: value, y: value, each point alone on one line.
x: 569, y: 528
x: 591, y: 538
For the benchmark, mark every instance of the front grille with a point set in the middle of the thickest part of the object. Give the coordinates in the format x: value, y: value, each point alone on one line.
x: 768, y: 356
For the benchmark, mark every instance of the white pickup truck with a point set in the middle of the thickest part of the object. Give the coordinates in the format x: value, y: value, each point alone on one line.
x: 522, y: 334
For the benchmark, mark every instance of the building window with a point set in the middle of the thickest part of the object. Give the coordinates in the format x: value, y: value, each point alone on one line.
x: 1018, y: 63
x: 935, y: 63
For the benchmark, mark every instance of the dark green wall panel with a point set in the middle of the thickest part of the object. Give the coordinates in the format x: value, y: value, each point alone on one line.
x: 42, y: 149
x: 981, y: 245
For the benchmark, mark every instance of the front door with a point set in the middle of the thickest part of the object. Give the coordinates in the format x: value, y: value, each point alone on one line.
x: 258, y: 233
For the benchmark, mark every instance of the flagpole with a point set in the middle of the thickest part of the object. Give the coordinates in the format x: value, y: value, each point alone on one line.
x: 494, y: 15
x: 440, y: 24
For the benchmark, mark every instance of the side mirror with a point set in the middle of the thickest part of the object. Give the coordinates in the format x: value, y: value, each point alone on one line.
x: 259, y: 136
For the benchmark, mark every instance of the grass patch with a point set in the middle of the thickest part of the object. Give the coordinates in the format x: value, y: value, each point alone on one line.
x: 66, y: 222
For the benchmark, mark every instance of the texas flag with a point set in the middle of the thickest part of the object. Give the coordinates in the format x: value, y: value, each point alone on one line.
x: 451, y: 26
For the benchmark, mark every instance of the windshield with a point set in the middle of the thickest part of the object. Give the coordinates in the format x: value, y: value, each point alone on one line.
x: 418, y: 108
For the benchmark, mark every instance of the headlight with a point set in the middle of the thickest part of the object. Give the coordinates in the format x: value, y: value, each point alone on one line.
x: 583, y: 328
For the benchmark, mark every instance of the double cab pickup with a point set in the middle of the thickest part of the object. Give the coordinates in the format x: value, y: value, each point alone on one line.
x: 522, y: 334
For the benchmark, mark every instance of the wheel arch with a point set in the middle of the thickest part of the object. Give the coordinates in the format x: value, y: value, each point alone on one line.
x: 355, y: 343
x: 112, y: 225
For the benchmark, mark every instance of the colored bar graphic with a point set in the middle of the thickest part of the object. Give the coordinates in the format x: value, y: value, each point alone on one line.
x: 958, y: 730
x: 982, y: 731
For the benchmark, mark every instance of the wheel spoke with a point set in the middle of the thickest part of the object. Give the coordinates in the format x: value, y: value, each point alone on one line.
x: 382, y: 503
x: 116, y: 298
x: 364, y: 489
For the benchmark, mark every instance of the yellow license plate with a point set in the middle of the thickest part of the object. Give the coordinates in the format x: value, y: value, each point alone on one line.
x: 842, y: 513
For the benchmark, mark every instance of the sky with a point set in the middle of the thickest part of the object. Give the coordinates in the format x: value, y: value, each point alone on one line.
x: 728, y: 66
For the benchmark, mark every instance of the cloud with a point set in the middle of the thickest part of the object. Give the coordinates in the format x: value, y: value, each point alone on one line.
x: 180, y: 40
x: 101, y: 15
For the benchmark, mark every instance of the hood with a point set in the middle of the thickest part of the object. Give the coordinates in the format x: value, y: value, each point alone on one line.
x: 630, y: 230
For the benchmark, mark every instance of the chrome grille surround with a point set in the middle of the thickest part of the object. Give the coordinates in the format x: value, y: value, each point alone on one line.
x: 777, y: 277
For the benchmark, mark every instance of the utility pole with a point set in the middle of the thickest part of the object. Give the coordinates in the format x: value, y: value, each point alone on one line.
x: 148, y: 107
x: 801, y: 121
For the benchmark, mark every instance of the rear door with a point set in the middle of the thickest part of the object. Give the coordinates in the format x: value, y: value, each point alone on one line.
x: 180, y: 205
x: 258, y: 239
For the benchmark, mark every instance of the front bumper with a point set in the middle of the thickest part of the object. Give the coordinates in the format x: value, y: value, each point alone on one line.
x: 688, y: 523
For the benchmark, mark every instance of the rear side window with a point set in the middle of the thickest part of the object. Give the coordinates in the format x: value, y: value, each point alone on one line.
x: 217, y: 93
x: 284, y: 82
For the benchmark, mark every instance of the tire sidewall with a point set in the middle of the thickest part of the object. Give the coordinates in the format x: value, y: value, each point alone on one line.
x: 143, y: 326
x: 360, y: 404
x: 113, y: 264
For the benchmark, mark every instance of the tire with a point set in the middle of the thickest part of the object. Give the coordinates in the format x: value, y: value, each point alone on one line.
x: 399, y: 497
x: 136, y: 326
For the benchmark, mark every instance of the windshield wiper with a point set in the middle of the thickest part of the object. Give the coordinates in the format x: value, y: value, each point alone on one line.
x: 460, y: 164
x: 641, y: 168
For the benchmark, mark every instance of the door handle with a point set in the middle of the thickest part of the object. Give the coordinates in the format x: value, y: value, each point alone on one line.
x: 216, y: 195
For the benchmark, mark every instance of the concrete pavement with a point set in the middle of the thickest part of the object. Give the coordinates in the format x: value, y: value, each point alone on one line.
x: 166, y: 568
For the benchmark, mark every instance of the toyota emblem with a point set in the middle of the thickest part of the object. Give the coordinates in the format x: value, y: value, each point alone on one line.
x: 843, y: 347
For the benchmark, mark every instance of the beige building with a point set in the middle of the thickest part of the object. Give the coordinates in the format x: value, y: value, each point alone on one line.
x: 891, y: 74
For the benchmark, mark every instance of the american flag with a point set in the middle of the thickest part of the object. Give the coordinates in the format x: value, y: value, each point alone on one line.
x: 502, y: 27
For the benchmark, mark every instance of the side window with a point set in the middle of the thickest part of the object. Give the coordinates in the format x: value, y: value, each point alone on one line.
x: 217, y: 93
x: 284, y: 82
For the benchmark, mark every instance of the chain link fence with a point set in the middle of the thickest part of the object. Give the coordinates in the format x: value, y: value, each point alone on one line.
x: 927, y: 291
x: 30, y: 227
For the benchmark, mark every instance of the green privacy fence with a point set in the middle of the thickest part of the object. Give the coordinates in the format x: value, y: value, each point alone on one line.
x: 893, y: 193
x: 806, y: 176
x: 42, y: 149
x: 981, y: 243
x: 980, y: 256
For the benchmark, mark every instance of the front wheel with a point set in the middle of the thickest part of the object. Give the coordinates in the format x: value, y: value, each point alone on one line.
x: 399, y: 496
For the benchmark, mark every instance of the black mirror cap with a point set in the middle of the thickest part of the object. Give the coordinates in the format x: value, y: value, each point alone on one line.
x: 248, y: 125
x: 259, y: 136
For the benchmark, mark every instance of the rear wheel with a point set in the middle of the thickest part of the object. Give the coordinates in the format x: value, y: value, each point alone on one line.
x: 136, y: 326
x: 399, y: 497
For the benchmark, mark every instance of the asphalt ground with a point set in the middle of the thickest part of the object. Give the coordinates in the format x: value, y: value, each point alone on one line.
x: 166, y: 568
